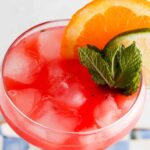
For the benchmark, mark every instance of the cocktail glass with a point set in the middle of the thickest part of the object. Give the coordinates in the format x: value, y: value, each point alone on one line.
x: 48, y: 138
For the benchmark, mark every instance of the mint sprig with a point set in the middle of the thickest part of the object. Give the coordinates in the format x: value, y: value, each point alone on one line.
x: 119, y: 68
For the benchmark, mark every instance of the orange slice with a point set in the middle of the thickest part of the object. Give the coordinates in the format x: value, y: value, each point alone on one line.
x: 101, y: 20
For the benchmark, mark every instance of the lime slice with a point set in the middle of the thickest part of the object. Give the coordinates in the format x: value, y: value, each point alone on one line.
x: 142, y: 39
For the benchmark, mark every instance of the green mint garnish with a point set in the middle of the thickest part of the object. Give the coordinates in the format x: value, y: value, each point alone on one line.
x: 119, y: 68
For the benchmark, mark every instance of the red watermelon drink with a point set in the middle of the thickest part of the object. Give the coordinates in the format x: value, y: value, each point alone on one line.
x: 53, y: 102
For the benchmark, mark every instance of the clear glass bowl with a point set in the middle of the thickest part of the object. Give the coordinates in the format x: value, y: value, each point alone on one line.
x: 47, y: 138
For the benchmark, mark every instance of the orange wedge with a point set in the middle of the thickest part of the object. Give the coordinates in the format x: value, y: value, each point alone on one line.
x: 101, y: 20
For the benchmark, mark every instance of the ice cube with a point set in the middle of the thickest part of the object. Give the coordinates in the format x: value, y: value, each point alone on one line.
x: 69, y: 95
x: 25, y: 99
x: 50, y: 43
x: 107, y: 112
x: 56, y: 79
x: 56, y: 74
x: 53, y: 117
x: 73, y: 97
x: 55, y: 71
x: 65, y: 89
x: 21, y: 67
x: 125, y: 102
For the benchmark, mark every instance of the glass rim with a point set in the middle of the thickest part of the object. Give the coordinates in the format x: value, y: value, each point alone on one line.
x: 43, y: 126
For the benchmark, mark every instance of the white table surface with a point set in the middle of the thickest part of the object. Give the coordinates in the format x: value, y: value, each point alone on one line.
x: 18, y: 15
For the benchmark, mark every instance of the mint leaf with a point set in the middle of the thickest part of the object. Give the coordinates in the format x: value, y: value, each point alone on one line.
x: 96, y: 65
x: 119, y: 68
x: 96, y: 77
x: 133, y: 86
x: 110, y: 57
x: 130, y: 63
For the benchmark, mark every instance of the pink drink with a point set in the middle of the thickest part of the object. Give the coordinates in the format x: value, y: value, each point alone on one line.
x: 53, y: 102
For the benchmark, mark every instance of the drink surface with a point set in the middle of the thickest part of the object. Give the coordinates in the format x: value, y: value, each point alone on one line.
x: 56, y: 92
